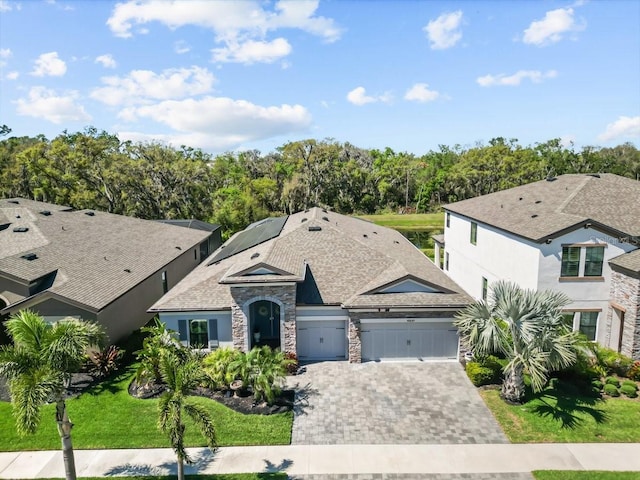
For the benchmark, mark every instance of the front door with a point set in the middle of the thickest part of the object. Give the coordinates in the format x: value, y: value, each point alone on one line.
x: 265, y: 324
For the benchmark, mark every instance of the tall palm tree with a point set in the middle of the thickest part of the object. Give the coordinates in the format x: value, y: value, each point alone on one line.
x: 182, y: 372
x: 38, y: 366
x: 525, y: 326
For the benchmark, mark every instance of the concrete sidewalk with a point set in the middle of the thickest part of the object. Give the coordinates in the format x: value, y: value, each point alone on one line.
x: 333, y: 459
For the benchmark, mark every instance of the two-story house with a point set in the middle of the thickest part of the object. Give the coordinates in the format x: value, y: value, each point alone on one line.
x: 579, y: 234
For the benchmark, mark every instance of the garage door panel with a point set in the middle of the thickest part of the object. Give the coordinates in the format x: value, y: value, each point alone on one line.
x: 321, y: 340
x: 409, y: 340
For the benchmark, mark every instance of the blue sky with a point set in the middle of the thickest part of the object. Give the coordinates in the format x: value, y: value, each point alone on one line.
x: 410, y: 75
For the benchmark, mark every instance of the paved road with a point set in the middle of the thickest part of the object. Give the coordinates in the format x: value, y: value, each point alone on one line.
x: 495, y: 461
x: 390, y: 403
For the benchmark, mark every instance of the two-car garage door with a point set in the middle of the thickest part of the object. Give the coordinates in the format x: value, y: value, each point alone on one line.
x: 408, y: 339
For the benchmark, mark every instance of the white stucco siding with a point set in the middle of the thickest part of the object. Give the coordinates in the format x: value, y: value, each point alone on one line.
x: 586, y: 294
x: 311, y: 312
x: 497, y: 255
x: 170, y: 319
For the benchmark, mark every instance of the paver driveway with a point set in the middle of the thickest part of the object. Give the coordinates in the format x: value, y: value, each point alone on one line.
x: 390, y: 403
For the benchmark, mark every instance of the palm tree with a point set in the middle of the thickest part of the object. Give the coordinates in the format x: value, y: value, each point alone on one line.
x: 38, y: 366
x: 525, y: 326
x: 182, y: 372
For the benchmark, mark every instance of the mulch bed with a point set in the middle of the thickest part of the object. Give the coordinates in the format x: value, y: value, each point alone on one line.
x: 245, y: 404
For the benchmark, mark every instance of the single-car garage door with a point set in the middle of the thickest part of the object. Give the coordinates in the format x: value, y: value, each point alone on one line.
x: 322, y: 340
x: 408, y: 340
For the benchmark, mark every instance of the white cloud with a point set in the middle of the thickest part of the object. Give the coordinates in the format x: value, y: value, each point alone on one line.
x: 220, y: 122
x: 7, y: 6
x: 358, y: 96
x: 44, y: 103
x: 501, y: 79
x: 252, y: 51
x: 48, y: 64
x: 420, y: 93
x: 12, y: 75
x: 107, y: 61
x: 143, y: 86
x: 4, y: 54
x: 552, y: 27
x: 181, y: 47
x: 233, y: 23
x: 444, y: 31
x: 623, y: 127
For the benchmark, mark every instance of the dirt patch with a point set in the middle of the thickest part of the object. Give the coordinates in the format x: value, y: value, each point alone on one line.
x: 245, y: 404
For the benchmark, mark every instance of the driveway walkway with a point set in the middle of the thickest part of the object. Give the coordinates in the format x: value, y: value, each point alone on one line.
x: 390, y: 403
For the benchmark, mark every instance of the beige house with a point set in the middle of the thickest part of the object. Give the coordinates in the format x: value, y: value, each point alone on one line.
x: 91, y: 265
x: 321, y: 285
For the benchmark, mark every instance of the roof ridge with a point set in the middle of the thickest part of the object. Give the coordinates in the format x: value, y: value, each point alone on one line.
x: 573, y: 194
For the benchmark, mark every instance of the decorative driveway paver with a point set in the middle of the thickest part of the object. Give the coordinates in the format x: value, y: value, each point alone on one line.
x: 390, y: 403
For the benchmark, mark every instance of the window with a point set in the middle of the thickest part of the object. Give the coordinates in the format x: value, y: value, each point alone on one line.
x: 588, y: 323
x: 198, y: 332
x: 195, y: 254
x: 575, y: 264
x: 474, y: 233
x: 485, y: 288
x: 165, y: 284
x: 446, y: 261
x: 448, y: 219
x: 593, y: 261
x: 570, y: 262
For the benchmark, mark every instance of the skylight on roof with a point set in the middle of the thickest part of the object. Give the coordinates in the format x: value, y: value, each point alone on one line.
x: 21, y: 229
x: 29, y: 256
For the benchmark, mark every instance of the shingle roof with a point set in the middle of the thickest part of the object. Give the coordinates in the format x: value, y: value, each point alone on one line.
x: 88, y: 252
x: 543, y: 209
x: 347, y: 258
x: 629, y: 261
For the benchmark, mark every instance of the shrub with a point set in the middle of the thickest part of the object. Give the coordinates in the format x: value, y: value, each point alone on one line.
x: 612, y: 381
x: 479, y: 375
x: 104, y: 362
x: 634, y: 371
x: 629, y: 390
x: 597, y: 384
x: 611, y: 390
x: 292, y: 367
x: 612, y: 361
x: 631, y: 384
x: 217, y: 367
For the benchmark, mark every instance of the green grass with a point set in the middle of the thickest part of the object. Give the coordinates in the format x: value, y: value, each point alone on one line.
x: 557, y: 416
x: 106, y: 416
x: 583, y: 475
x: 411, y: 221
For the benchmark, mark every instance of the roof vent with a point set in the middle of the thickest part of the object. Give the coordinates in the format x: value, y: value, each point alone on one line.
x: 324, y: 210
x: 306, y: 211
x: 535, y: 215
x: 21, y: 229
x: 45, y: 213
x: 396, y: 241
x: 255, y: 255
x: 90, y: 213
x: 17, y: 216
x: 551, y: 179
x: 29, y: 256
x: 538, y: 201
x: 314, y: 228
x: 303, y: 220
x: 520, y: 198
x: 594, y: 175
x: 375, y: 233
x: 365, y: 235
x: 325, y: 219
x: 16, y: 202
x: 4, y: 226
x: 127, y: 270
x: 178, y: 248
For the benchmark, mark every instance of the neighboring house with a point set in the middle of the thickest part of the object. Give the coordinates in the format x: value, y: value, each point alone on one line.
x: 579, y: 234
x: 91, y: 265
x: 215, y: 237
x: 321, y: 285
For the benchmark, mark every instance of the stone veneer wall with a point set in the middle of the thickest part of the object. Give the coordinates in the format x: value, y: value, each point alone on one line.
x: 625, y: 291
x: 245, y: 295
x: 355, y: 331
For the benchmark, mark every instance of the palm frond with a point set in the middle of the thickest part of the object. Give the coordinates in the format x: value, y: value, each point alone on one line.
x: 27, y: 329
x: 29, y: 392
x: 203, y: 420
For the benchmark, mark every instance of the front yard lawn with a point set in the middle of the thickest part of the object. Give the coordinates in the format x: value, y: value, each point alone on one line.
x: 106, y: 416
x: 560, y: 417
x: 583, y: 475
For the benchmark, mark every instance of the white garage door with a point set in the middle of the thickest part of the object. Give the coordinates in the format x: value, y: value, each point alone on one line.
x: 402, y: 340
x: 322, y: 340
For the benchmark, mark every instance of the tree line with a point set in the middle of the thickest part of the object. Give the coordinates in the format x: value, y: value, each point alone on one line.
x: 95, y: 169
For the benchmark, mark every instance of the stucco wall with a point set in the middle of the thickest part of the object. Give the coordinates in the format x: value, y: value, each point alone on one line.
x: 13, y: 287
x: 53, y: 310
x: 497, y: 255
